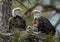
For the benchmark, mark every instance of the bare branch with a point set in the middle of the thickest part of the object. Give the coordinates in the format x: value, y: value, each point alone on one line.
x: 22, y: 4
x: 52, y: 7
x: 30, y: 9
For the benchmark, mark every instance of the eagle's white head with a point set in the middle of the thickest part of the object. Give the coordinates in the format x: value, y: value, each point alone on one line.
x: 16, y: 11
x: 37, y: 13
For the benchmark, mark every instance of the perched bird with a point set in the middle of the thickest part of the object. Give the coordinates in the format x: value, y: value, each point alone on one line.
x: 43, y: 24
x: 17, y: 21
x: 37, y: 14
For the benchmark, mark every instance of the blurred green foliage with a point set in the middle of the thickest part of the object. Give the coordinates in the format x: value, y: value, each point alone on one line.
x: 20, y: 36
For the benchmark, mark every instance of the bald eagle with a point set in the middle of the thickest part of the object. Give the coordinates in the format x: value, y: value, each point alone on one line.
x: 43, y: 24
x: 17, y: 21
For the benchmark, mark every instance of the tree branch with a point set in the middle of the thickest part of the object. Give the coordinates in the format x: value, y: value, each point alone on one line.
x: 52, y: 7
x: 22, y: 4
x: 30, y: 9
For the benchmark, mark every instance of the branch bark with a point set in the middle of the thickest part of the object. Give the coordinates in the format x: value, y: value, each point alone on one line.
x: 52, y: 7
x: 22, y: 4
x: 30, y: 9
x: 46, y: 7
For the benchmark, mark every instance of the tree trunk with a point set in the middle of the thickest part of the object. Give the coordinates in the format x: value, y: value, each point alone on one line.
x: 6, y: 10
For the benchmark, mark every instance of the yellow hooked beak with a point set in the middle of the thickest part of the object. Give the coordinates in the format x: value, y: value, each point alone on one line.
x: 36, y: 11
x: 33, y: 12
x: 21, y: 10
